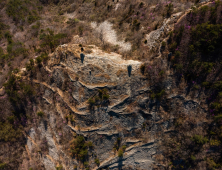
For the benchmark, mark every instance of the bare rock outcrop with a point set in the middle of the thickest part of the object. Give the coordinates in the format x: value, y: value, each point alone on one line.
x: 76, y: 74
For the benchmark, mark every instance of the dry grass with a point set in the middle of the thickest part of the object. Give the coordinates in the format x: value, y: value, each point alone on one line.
x: 95, y: 67
x: 81, y: 91
x: 103, y: 75
x: 131, y: 107
x: 121, y: 71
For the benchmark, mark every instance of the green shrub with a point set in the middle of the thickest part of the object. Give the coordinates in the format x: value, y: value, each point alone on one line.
x: 216, y: 106
x: 11, y: 119
x: 136, y: 24
x: 160, y: 94
x: 40, y: 113
x: 86, y: 164
x: 169, y: 9
x: 179, y: 67
x: 19, y: 10
x: 27, y: 89
x: 13, y: 9
x: 59, y: 167
x: 206, y: 84
x: 218, y: 85
x: 153, y: 96
x: 11, y: 89
x: 28, y: 67
x: 198, y: 139
x: 38, y: 60
x: 100, y: 93
x: 44, y: 57
x: 81, y: 29
x: 161, y: 73
x: 90, y: 144
x: 192, y: 50
x: 8, y: 133
x: 3, y: 26
x: 170, y: 34
x: 193, y: 158
x: 97, y: 99
x: 204, y: 9
x: 1, y: 51
x: 79, y: 148
x: 72, y: 21
x: 91, y: 101
x: 9, y: 48
x: 8, y: 36
x: 97, y: 161
x: 105, y: 96
x: 220, y: 94
x: 215, y: 142
x: 211, y: 164
x: 1, y: 35
x: 124, y: 147
x: 32, y: 18
x: 120, y: 153
x: 173, y: 46
x: 16, y: 49
x: 31, y: 61
x: 3, y: 165
x: 37, y: 26
x: 196, y: 87
x: 163, y: 44
x: 16, y: 70
x: 117, y: 144
x: 40, y: 8
x: 207, y: 66
x: 177, y: 54
x: 213, y: 133
x: 16, y: 9
x: 49, y: 40
x: 218, y: 117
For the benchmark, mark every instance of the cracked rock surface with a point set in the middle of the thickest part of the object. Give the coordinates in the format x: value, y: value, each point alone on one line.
x: 73, y: 76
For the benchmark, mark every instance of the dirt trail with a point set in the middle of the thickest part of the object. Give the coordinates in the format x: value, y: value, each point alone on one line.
x: 61, y: 95
x: 30, y: 138
x: 27, y: 150
x: 184, y: 15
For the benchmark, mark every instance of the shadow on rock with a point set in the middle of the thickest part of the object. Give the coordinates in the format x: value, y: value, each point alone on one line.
x: 82, y: 56
x: 129, y: 70
x: 120, y: 163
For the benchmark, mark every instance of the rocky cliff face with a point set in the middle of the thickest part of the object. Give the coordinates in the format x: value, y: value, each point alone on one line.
x: 77, y: 75
x: 73, y: 78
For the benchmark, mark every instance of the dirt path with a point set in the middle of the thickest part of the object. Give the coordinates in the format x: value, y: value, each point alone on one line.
x: 184, y: 15
x: 60, y: 94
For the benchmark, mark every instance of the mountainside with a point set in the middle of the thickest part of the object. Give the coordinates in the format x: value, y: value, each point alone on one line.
x: 110, y: 84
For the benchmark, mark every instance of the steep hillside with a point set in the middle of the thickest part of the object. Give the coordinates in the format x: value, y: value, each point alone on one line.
x: 196, y: 61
